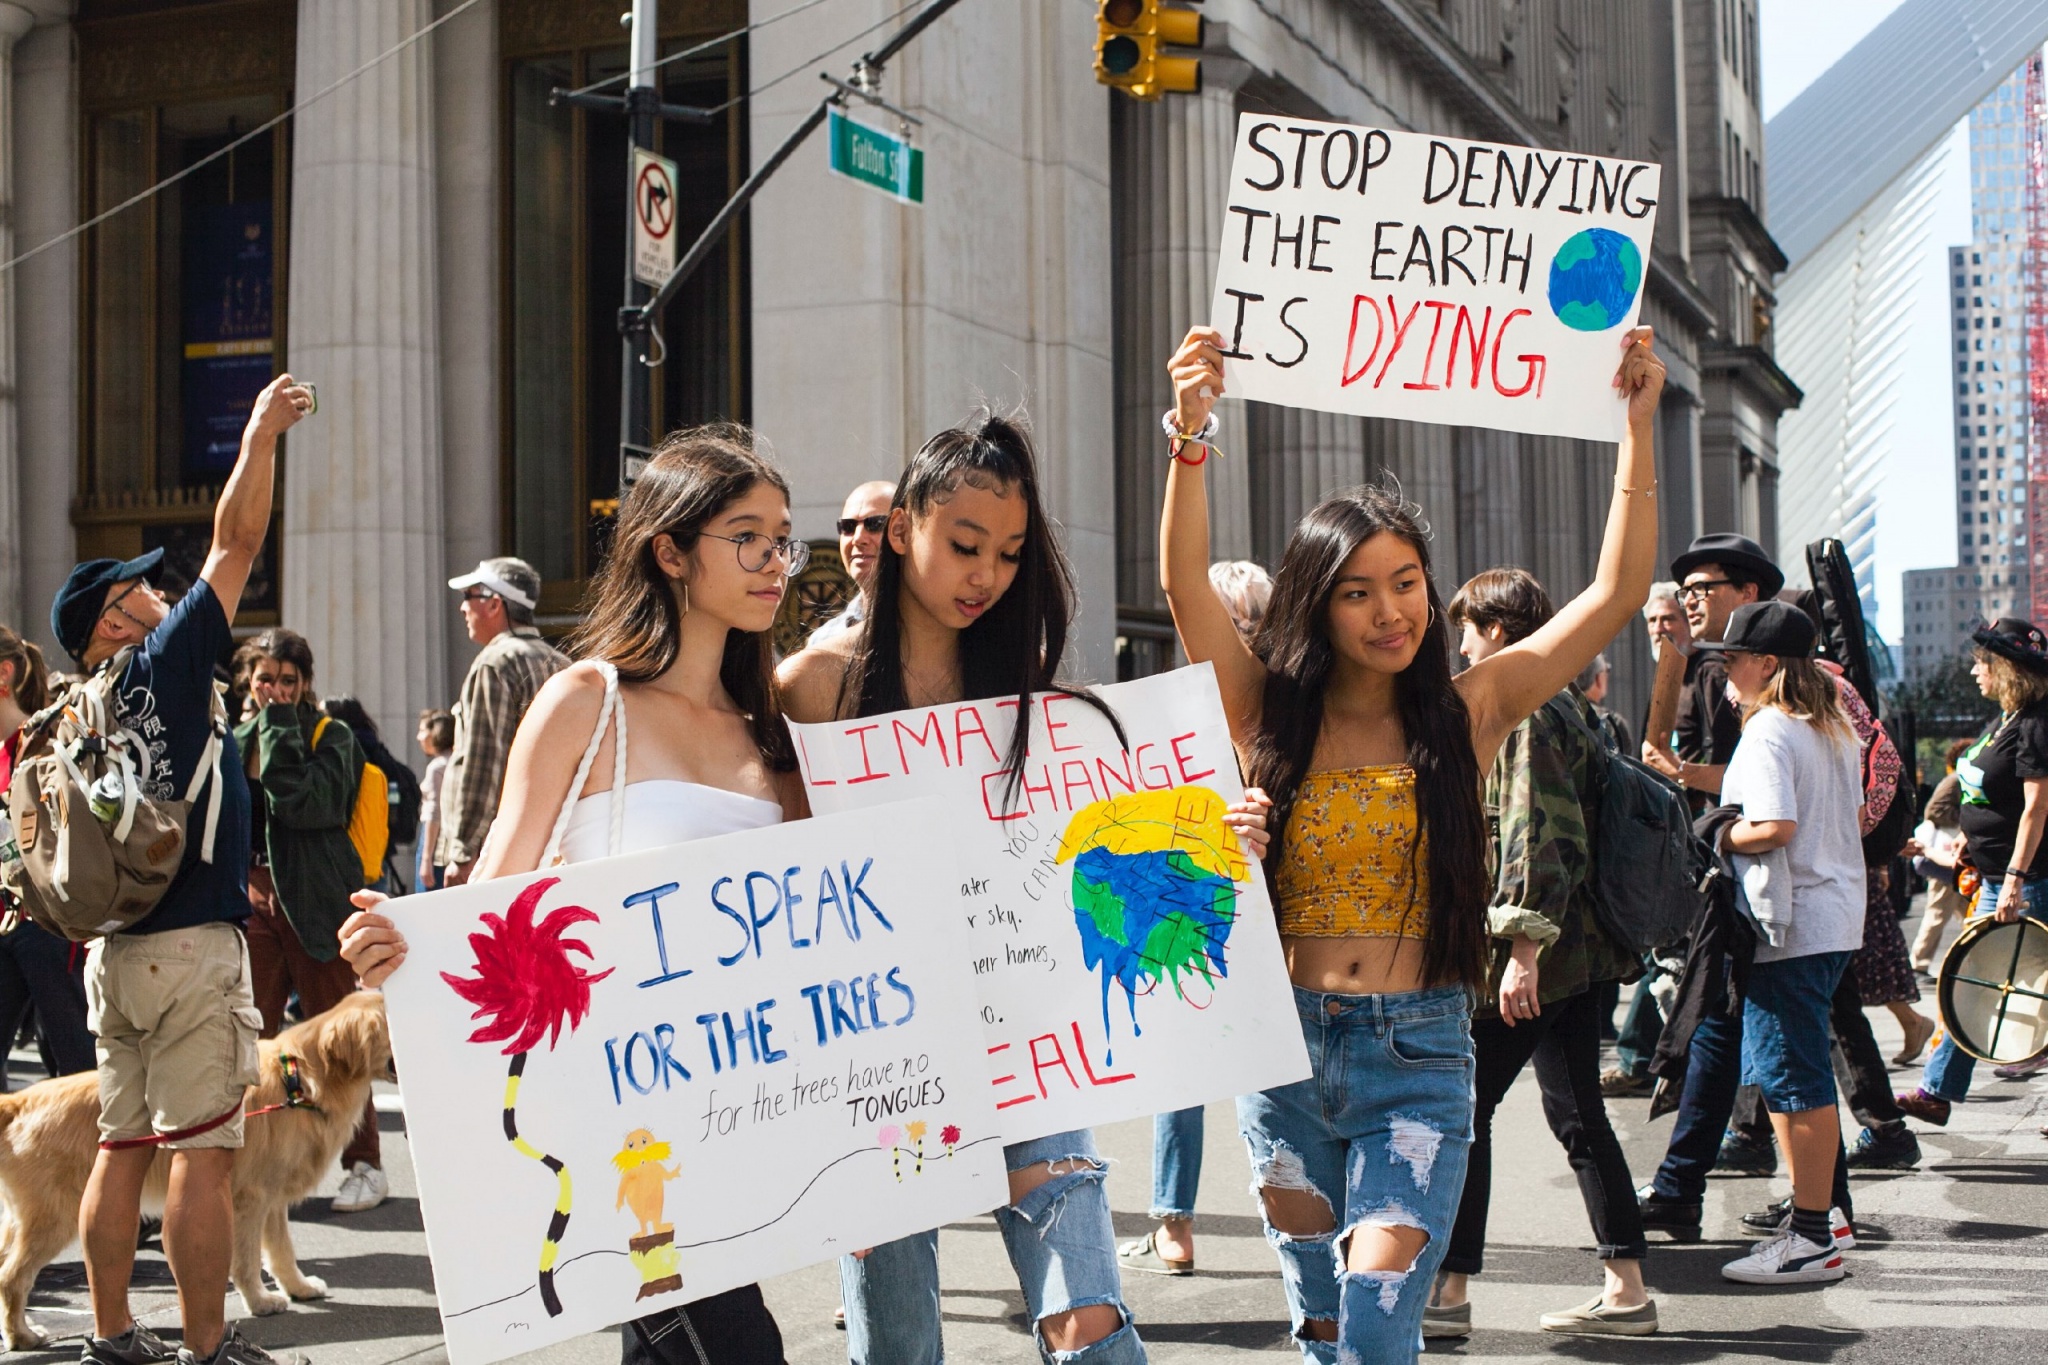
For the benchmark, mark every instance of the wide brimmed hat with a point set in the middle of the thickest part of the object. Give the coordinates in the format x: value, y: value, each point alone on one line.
x: 78, y: 604
x: 1734, y: 552
x: 2020, y: 641
x: 1765, y: 628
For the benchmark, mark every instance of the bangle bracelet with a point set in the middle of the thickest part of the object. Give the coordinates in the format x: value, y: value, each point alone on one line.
x: 1625, y: 490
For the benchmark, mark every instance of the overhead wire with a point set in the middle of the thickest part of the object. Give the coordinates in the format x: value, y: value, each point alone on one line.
x: 300, y: 106
x: 704, y: 46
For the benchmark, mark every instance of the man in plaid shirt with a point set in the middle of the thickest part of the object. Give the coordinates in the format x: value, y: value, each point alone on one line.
x: 497, y: 608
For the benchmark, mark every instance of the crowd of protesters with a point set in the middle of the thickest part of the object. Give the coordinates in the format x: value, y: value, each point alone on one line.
x: 1431, y: 835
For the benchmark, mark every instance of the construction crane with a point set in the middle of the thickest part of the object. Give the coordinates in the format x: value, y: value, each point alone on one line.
x: 2035, y: 266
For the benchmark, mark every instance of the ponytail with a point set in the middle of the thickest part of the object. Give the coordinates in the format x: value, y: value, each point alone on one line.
x: 30, y: 675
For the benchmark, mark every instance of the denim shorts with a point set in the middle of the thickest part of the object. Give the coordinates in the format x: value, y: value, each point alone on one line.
x: 1785, y: 1031
x: 1381, y: 1132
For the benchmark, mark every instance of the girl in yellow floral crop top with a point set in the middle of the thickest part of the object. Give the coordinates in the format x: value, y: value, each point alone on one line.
x: 1345, y: 709
x: 1350, y: 864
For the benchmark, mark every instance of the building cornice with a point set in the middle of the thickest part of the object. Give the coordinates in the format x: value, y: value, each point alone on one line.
x: 1739, y: 214
x: 1674, y: 288
x: 1754, y: 366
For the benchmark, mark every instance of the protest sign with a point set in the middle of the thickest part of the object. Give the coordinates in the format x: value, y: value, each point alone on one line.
x: 1395, y: 274
x: 751, y: 1053
x: 1124, y: 949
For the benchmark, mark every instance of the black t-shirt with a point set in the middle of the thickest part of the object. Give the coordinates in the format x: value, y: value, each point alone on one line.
x: 1991, y: 777
x: 1709, y: 726
x: 166, y: 696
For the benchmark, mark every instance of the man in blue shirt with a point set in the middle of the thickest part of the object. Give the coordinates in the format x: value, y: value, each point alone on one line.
x: 170, y: 1003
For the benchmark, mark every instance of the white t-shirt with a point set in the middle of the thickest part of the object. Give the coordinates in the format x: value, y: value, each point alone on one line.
x: 1787, y: 769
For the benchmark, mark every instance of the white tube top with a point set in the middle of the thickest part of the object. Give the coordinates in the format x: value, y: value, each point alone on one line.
x: 663, y: 811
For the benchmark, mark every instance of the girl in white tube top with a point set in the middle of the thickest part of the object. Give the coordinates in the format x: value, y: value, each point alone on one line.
x: 667, y: 731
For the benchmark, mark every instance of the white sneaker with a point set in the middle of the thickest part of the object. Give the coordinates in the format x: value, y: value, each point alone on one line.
x: 362, y: 1188
x: 1787, y: 1258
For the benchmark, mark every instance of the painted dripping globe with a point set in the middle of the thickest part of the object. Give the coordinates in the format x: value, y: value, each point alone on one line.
x: 1594, y: 278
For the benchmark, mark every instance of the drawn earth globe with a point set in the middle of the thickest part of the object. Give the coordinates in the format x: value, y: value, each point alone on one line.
x: 1593, y: 280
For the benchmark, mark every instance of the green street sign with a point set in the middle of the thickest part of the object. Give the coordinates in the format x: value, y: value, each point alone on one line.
x: 876, y: 159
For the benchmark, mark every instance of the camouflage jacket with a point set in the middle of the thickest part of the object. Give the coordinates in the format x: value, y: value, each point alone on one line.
x: 1539, y: 807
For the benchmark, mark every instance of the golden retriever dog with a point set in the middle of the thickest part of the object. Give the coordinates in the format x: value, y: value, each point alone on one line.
x: 49, y: 1135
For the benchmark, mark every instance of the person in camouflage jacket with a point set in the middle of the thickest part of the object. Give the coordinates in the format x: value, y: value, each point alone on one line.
x: 1549, y: 954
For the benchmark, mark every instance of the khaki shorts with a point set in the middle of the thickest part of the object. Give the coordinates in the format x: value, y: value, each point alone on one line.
x: 176, y: 1027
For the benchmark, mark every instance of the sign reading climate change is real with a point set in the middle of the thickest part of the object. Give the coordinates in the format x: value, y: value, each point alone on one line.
x: 1395, y: 274
x: 1123, y: 950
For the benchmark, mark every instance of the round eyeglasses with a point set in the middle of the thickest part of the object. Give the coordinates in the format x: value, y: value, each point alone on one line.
x: 754, y: 550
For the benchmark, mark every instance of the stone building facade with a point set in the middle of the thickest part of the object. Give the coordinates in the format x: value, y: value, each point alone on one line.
x: 440, y: 248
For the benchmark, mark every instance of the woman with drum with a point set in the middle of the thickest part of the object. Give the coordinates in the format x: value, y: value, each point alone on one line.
x: 2003, y: 778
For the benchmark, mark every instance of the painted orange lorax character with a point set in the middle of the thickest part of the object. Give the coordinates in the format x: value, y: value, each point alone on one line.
x: 641, y: 1177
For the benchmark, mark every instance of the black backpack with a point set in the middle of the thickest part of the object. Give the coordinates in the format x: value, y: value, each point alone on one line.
x: 1647, y: 865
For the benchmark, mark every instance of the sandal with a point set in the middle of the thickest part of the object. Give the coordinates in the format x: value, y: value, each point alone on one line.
x: 1916, y: 1038
x: 1142, y: 1253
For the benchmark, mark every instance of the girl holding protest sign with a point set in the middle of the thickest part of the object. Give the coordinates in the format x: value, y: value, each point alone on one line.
x: 1344, y: 707
x: 972, y: 599
x: 676, y: 654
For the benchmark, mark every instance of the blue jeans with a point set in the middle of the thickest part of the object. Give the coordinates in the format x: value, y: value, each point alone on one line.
x: 1060, y: 1242
x: 1381, y: 1131
x: 1640, y: 1029
x: 1176, y: 1162
x: 1713, y: 1073
x: 1950, y: 1068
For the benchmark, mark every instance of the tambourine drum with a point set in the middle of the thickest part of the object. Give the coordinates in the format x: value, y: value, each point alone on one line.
x: 1993, y: 990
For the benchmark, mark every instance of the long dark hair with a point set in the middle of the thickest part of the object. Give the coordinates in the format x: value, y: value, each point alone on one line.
x: 1294, y: 641
x: 1016, y: 646
x: 631, y: 617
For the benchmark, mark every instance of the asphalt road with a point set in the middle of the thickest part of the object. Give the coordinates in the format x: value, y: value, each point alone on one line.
x: 1953, y: 1264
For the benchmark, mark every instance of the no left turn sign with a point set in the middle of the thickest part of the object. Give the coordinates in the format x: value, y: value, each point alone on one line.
x: 654, y: 217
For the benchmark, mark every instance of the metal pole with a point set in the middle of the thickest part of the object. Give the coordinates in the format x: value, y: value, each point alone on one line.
x: 636, y: 380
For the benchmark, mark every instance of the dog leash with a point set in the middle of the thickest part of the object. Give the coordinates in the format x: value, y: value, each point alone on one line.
x: 294, y: 1098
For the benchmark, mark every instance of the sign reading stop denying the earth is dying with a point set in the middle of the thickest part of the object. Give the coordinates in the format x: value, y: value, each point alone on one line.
x: 1125, y: 954
x: 1396, y: 274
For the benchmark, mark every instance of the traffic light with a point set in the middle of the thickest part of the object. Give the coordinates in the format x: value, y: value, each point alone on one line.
x: 1128, y: 36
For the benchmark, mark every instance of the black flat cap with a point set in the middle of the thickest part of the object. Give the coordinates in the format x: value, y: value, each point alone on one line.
x: 84, y: 595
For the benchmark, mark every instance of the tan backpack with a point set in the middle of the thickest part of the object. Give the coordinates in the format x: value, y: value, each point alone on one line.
x: 93, y: 854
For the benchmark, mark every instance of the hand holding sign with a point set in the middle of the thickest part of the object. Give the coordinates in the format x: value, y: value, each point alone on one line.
x: 1401, y: 275
x: 1197, y: 372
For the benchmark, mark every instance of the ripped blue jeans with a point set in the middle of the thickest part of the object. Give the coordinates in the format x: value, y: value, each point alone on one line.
x: 1381, y: 1133
x: 1060, y: 1243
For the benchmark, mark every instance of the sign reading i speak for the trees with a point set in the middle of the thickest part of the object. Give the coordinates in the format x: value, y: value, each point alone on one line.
x: 637, y: 1081
x: 1395, y: 274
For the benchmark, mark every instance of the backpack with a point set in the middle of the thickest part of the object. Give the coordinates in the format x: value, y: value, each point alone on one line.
x: 369, y: 823
x: 93, y: 854
x: 404, y: 817
x: 1647, y: 866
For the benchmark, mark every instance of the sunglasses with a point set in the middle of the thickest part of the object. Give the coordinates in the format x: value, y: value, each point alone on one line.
x: 874, y: 526
x: 479, y: 595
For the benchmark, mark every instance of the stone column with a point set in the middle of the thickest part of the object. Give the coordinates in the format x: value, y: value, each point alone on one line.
x: 1171, y: 168
x: 14, y: 22
x: 365, y: 561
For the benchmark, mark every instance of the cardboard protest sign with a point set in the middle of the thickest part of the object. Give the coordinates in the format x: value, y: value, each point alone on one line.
x: 1124, y: 949
x: 1395, y: 274
x: 634, y: 1082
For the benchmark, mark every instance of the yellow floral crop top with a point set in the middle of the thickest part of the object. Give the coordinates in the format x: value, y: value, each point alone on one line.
x: 1345, y: 870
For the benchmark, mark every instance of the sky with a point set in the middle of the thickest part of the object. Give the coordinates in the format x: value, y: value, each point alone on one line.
x: 1916, y: 500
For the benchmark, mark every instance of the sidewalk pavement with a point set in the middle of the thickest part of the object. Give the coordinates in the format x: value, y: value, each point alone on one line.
x: 1953, y: 1264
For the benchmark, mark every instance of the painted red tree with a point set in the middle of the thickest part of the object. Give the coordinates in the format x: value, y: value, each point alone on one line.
x: 526, y: 987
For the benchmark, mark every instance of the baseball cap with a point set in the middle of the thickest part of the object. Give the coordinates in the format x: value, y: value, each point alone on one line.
x: 515, y: 580
x: 1766, y: 628
x: 78, y: 604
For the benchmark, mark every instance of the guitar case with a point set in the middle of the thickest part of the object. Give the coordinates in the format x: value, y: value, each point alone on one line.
x: 1842, y: 638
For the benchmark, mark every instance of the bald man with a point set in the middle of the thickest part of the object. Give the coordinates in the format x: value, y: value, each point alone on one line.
x: 861, y: 523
